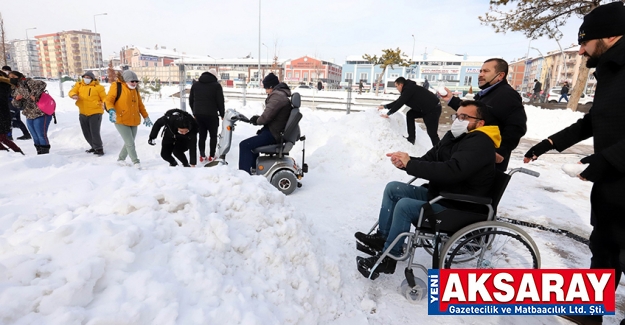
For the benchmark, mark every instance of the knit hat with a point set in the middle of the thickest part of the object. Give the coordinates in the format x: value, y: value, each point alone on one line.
x: 213, y: 72
x: 6, y: 68
x: 270, y: 81
x: 89, y: 74
x: 129, y: 76
x: 604, y: 21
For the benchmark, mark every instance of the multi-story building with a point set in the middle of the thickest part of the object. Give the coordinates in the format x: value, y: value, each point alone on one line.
x: 69, y: 52
x: 311, y: 70
x: 6, y: 55
x: 25, y: 57
x: 516, y: 72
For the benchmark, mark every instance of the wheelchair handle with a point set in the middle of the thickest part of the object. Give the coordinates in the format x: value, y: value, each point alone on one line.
x: 525, y: 171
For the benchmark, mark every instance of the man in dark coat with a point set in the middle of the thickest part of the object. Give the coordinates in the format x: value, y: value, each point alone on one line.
x: 423, y: 104
x: 463, y: 162
x: 179, y: 135
x: 505, y: 107
x: 564, y: 92
x: 601, y: 41
x: 5, y: 115
x: 274, y: 118
x: 537, y: 88
x: 206, y: 100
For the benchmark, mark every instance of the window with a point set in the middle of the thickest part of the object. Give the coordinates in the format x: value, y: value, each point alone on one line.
x: 468, y: 80
x: 349, y: 77
x: 394, y: 76
x: 297, y: 75
x: 321, y: 75
x: 288, y: 75
x: 306, y: 76
x: 377, y: 76
x: 225, y: 76
x: 363, y: 77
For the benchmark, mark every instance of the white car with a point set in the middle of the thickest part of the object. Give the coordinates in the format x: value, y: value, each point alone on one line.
x: 554, y: 95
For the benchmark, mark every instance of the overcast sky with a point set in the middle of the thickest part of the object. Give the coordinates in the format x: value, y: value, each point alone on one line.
x: 327, y: 29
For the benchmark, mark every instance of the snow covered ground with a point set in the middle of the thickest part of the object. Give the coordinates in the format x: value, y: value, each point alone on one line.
x: 85, y: 241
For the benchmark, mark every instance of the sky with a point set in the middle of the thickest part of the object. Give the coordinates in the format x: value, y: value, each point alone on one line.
x: 329, y: 30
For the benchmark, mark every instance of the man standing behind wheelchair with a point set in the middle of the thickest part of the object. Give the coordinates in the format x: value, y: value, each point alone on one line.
x: 463, y: 162
x: 274, y: 118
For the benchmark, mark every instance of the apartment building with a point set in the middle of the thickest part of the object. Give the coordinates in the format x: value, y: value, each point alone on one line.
x: 25, y: 57
x: 69, y: 52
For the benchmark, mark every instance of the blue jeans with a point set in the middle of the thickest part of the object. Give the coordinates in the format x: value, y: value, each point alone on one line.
x: 401, y: 205
x: 247, y: 158
x: 565, y: 96
x: 38, y: 128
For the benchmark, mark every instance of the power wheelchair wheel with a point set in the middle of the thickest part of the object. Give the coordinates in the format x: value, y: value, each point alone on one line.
x: 415, y: 294
x: 285, y: 181
x: 490, y: 245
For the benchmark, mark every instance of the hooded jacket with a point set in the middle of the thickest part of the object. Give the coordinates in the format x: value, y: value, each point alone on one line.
x: 415, y: 97
x: 171, y: 135
x: 277, y: 110
x: 90, y: 97
x: 29, y: 87
x: 207, y: 96
x: 5, y: 110
x: 129, y: 107
x: 462, y: 165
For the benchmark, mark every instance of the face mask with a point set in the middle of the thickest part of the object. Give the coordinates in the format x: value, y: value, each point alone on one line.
x: 131, y: 85
x: 488, y: 84
x: 459, y: 127
x: 14, y: 81
x: 86, y: 81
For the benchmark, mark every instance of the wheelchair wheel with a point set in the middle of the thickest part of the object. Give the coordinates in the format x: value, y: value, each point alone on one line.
x: 490, y: 244
x: 285, y: 181
x: 416, y: 294
x: 463, y: 255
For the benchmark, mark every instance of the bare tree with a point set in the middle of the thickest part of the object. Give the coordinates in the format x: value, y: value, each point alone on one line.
x: 537, y: 18
x: 389, y: 58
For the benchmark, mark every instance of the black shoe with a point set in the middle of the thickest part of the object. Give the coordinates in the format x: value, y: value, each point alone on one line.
x: 374, y: 241
x: 90, y: 150
x: 584, y: 319
x: 365, y: 266
x: 98, y: 152
x: 25, y: 137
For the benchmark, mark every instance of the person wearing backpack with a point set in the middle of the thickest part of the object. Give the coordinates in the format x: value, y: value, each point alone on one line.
x: 125, y: 108
x: 89, y: 96
x: 26, y: 94
x: 179, y: 135
x: 5, y: 115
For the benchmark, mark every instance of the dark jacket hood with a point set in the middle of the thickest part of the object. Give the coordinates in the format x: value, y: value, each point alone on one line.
x: 283, y: 87
x: 207, y: 77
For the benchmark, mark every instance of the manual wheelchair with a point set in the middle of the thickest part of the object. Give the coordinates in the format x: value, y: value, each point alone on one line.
x: 461, y: 239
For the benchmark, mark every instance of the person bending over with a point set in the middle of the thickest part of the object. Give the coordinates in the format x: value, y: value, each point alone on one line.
x: 179, y: 135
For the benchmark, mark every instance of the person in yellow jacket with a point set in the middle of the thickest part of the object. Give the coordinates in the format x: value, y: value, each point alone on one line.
x: 89, y: 96
x: 126, y: 112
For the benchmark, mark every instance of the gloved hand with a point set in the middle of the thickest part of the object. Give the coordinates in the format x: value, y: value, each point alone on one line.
x: 597, y: 169
x: 147, y: 122
x: 539, y: 149
x: 254, y: 119
x: 112, y: 115
x: 151, y: 142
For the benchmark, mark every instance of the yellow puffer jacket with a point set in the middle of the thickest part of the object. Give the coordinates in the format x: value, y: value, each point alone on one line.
x: 129, y: 107
x: 90, y: 97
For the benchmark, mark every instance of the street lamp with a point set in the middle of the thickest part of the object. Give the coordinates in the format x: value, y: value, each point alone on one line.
x: 98, y: 59
x: 215, y: 62
x: 267, y: 55
x: 413, y: 41
x: 30, y: 67
x: 259, y: 80
x: 95, y: 28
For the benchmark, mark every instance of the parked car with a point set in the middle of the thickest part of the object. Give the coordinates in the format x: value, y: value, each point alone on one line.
x: 554, y: 95
x: 303, y: 87
x: 524, y: 97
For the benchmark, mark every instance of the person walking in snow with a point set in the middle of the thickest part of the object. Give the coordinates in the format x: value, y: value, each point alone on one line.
x: 25, y: 97
x: 16, y: 120
x: 179, y: 135
x: 5, y: 114
x: 206, y: 100
x: 89, y: 96
x: 564, y: 92
x: 125, y: 108
x: 602, y: 41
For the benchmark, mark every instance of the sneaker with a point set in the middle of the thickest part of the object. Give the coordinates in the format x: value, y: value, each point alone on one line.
x: 203, y: 159
x: 99, y: 152
x: 137, y: 165
x: 210, y: 159
x: 25, y: 137
x: 374, y: 241
x: 90, y: 150
x: 122, y: 163
x: 584, y: 319
x: 365, y: 266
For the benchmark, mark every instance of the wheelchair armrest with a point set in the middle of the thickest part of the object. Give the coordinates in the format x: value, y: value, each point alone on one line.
x: 466, y: 198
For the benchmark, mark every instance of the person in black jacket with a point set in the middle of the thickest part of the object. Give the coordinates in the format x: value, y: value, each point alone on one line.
x: 16, y: 120
x: 463, y: 162
x: 564, y: 92
x: 179, y: 135
x: 538, y: 87
x: 206, y: 100
x: 423, y: 104
x: 5, y: 114
x: 505, y: 107
x: 602, y: 41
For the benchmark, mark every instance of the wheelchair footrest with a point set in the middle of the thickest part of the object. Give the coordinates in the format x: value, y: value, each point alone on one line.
x: 366, y: 249
x: 366, y: 271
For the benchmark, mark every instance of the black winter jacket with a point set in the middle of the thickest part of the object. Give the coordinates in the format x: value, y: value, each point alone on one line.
x: 604, y: 122
x: 171, y: 135
x: 415, y: 97
x: 507, y: 111
x: 277, y: 110
x: 5, y: 110
x: 462, y: 165
x: 207, y: 96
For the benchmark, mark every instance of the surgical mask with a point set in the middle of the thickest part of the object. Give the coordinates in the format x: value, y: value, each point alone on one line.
x: 458, y: 127
x: 14, y: 81
x: 488, y: 84
x: 86, y: 81
x: 131, y: 85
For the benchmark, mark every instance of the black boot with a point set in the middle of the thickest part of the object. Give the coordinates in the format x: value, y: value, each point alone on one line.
x: 38, y: 148
x: 365, y: 266
x: 374, y: 241
x: 99, y: 152
x: 45, y: 149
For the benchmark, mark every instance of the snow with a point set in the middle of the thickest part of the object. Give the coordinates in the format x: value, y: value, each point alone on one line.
x: 85, y: 241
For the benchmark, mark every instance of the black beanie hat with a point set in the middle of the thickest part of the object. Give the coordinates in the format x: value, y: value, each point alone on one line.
x: 604, y: 21
x: 270, y: 81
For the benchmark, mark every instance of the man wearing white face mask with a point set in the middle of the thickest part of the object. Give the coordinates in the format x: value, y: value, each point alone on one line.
x: 89, y: 96
x: 463, y: 162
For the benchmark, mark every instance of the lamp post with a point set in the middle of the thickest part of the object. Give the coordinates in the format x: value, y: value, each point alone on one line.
x: 267, y: 56
x: 30, y: 66
x: 413, y: 41
x: 98, y: 58
x: 215, y: 63
x: 259, y: 43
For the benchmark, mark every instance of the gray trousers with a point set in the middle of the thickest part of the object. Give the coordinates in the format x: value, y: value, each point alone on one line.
x: 91, y: 129
x: 128, y: 133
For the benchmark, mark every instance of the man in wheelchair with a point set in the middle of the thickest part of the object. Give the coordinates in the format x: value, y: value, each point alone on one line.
x: 463, y: 162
